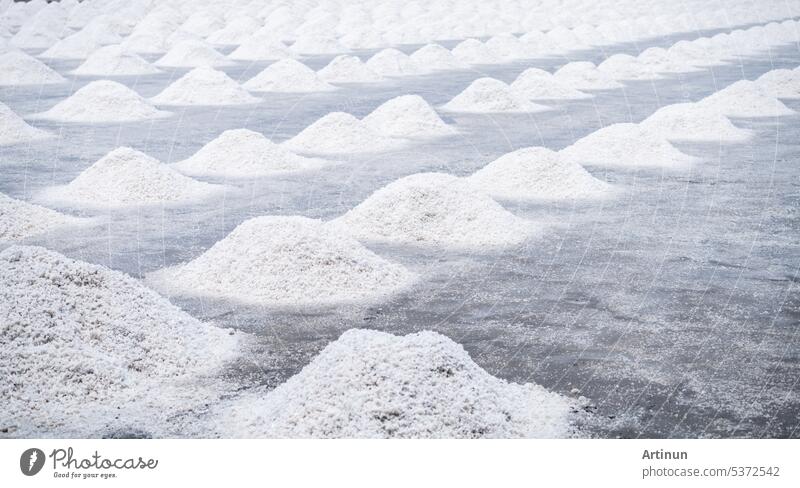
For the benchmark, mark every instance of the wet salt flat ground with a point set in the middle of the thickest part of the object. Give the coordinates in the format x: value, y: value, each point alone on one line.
x: 673, y: 309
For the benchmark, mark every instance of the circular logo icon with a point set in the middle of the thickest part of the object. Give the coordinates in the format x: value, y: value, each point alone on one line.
x: 31, y: 461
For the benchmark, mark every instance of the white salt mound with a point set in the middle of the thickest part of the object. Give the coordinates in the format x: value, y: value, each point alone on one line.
x: 533, y: 84
x: 20, y: 220
x: 347, y: 69
x: 435, y: 209
x: 433, y: 57
x: 745, y: 99
x: 115, y: 61
x: 191, y: 54
x: 287, y: 76
x: 627, y: 67
x: 407, y: 116
x: 14, y: 130
x: 370, y: 384
x: 781, y: 83
x: 103, y: 101
x: 242, y: 153
x: 627, y: 145
x: 691, y: 122
x: 537, y: 173
x: 487, y: 95
x: 339, y: 132
x: 76, y: 46
x: 18, y: 68
x: 391, y: 62
x: 286, y: 262
x: 204, y: 86
x: 259, y: 48
x: 584, y: 75
x: 126, y: 177
x: 473, y: 51
x: 86, y: 348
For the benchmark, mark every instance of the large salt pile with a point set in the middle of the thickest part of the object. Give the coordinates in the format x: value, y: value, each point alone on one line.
x: 103, y: 101
x: 473, y: 51
x: 584, y: 75
x: 286, y: 262
x: 126, y: 177
x: 537, y: 84
x: 627, y: 67
x: 391, y: 62
x: 14, y: 130
x: 692, y: 122
x: 259, y: 48
x: 780, y: 83
x: 432, y: 57
x: 115, y: 60
x: 242, y: 153
x: 491, y: 95
x: 370, y: 384
x: 435, y: 209
x: 347, y: 69
x: 287, y: 76
x: 18, y: 68
x: 204, y: 86
x: 627, y: 145
x: 191, y: 54
x: 339, y: 132
x: 20, y: 220
x: 535, y: 173
x: 407, y: 116
x: 86, y: 348
x: 745, y: 99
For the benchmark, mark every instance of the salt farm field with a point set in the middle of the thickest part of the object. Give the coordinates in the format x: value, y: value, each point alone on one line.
x: 667, y: 307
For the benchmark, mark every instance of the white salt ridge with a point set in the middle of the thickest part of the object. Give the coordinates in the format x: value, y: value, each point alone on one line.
x: 627, y: 67
x: 391, y: 62
x: 286, y: 262
x: 537, y: 173
x: 287, y: 76
x: 258, y: 48
x: 86, y: 348
x: 538, y: 84
x: 242, y: 153
x: 103, y: 101
x: 408, y: 116
x: 627, y: 146
x: 781, y: 83
x: 115, y: 60
x: 348, y: 69
x: 339, y: 133
x: 487, y: 95
x: 204, y: 86
x: 584, y: 75
x: 370, y: 384
x: 21, y: 220
x: 126, y: 177
x: 434, y: 57
x: 18, y: 68
x: 435, y: 209
x: 745, y: 99
x: 473, y: 51
x: 14, y: 130
x: 692, y: 122
x: 191, y: 54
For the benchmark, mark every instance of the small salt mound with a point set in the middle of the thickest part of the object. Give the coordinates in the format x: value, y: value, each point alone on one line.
x: 391, y: 62
x: 348, y: 69
x: 473, y: 51
x: 626, y: 67
x: 235, y: 32
x: 14, y: 130
x: 435, y: 209
x: 508, y: 46
x: 191, y: 54
x: 745, y: 99
x: 286, y: 262
x: 691, y: 122
x: 535, y: 83
x: 20, y: 220
x: 316, y: 44
x: 242, y: 153
x: 287, y: 76
x: 432, y: 57
x: 115, y: 61
x: 126, y: 177
x: 407, y: 116
x: 490, y: 95
x: 103, y: 101
x: 76, y: 46
x: 536, y: 173
x: 584, y: 75
x: 626, y: 146
x: 781, y: 83
x: 85, y: 347
x: 370, y: 384
x: 204, y: 86
x: 260, y: 47
x: 203, y: 23
x: 339, y: 132
x: 18, y: 68
x: 662, y: 61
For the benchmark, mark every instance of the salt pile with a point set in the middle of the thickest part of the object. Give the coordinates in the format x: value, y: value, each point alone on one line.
x: 316, y: 44
x: 286, y: 262
x: 76, y: 46
x: 287, y: 76
x: 14, y: 130
x: 627, y: 145
x: 435, y: 209
x: 126, y: 177
x: 491, y: 95
x: 85, y: 347
x: 537, y: 84
x: 258, y: 48
x: 780, y: 83
x: 509, y: 47
x: 584, y: 75
x: 103, y: 101
x: 473, y: 51
x: 204, y: 86
x: 20, y: 220
x: 339, y: 132
x: 535, y: 173
x: 191, y: 54
x: 347, y: 69
x: 691, y: 122
x: 204, y: 22
x: 391, y: 62
x: 626, y: 67
x: 370, y: 384
x: 17, y: 68
x: 407, y: 116
x: 745, y: 99
x: 235, y: 32
x: 242, y: 153
x: 115, y: 61
x: 433, y: 57
x: 663, y: 61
